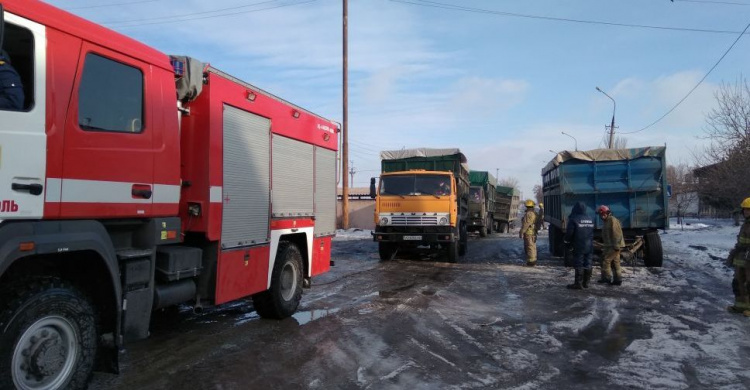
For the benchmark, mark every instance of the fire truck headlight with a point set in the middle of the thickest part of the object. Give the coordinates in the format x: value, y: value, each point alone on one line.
x: 443, y: 221
x: 383, y: 221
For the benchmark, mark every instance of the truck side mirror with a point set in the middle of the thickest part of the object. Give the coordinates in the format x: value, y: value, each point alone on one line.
x: 373, y: 193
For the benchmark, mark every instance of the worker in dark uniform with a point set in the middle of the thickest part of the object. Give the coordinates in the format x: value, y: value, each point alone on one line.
x: 11, y: 89
x: 579, y: 235
x: 739, y: 259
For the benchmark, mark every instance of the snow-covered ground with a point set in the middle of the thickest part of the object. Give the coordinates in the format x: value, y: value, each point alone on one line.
x: 352, y: 234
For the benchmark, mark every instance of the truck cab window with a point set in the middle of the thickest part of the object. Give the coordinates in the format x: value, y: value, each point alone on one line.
x: 17, y: 69
x: 110, y: 96
x: 475, y: 194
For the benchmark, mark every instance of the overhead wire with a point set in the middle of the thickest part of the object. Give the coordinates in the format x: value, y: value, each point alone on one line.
x: 434, y: 4
x: 110, y: 5
x: 711, y: 2
x: 186, y: 17
x: 696, y: 85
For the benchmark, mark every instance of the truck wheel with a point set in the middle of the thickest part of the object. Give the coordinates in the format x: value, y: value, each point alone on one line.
x: 282, y: 299
x: 49, y: 336
x: 488, y: 223
x: 386, y: 250
x: 653, y: 254
x: 503, y: 227
x: 556, y: 245
x: 453, y: 252
x: 483, y: 231
x: 463, y: 241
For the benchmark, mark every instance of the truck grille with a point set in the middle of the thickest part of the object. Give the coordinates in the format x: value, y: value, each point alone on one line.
x: 414, y: 220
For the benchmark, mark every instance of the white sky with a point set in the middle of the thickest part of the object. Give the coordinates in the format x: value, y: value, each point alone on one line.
x: 501, y: 88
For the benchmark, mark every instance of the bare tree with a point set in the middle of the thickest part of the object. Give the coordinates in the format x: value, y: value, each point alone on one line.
x: 538, y: 193
x: 508, y: 182
x: 620, y: 142
x: 684, y: 198
x: 725, y: 162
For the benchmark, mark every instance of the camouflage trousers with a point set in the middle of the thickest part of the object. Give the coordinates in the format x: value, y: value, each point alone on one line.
x: 611, y: 259
x: 529, y: 246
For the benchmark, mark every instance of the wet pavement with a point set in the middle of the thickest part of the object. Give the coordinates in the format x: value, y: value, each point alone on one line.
x: 488, y: 322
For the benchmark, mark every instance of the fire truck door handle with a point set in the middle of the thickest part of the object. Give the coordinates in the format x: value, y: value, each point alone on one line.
x: 34, y: 189
x: 142, y: 193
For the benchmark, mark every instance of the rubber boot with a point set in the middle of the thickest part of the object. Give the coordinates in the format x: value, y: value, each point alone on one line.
x: 586, y: 278
x: 577, y: 283
x: 617, y: 280
x: 603, y: 279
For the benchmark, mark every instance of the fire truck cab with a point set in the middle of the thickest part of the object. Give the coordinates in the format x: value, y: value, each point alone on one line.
x: 131, y: 181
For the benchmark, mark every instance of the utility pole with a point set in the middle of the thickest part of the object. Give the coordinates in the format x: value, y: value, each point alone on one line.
x: 497, y: 173
x: 612, y: 125
x: 345, y: 145
x: 352, y: 171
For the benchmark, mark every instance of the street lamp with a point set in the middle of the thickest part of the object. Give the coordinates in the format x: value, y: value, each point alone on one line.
x: 611, y: 126
x: 574, y: 139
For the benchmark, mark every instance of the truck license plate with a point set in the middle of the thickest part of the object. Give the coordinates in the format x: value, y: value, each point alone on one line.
x: 412, y: 238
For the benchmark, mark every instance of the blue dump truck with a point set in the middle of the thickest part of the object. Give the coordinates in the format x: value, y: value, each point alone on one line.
x: 632, y: 182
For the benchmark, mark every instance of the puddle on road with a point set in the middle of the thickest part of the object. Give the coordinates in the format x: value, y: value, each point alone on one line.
x: 609, y: 345
x: 303, y: 317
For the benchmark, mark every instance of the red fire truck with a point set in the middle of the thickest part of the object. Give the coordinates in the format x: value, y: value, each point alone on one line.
x: 131, y: 181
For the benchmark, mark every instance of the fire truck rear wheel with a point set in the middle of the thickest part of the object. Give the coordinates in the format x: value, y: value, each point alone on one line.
x: 282, y: 299
x: 49, y: 335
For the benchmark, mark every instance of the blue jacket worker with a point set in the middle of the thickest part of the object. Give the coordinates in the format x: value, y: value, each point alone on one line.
x: 579, y: 236
x: 11, y: 89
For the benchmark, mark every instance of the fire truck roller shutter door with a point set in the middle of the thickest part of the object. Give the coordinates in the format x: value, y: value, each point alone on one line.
x: 325, y: 192
x: 292, y: 178
x: 246, y: 178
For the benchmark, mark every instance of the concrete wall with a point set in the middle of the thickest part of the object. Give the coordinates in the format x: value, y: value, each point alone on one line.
x: 361, y: 214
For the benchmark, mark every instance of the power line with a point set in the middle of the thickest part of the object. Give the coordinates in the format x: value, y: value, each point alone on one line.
x: 433, y: 4
x: 696, y: 85
x: 184, y: 18
x: 711, y: 2
x: 112, y: 4
x: 190, y: 14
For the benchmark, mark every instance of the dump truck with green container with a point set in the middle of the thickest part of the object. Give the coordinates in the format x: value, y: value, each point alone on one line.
x: 422, y: 201
x: 481, y: 202
x: 507, y: 200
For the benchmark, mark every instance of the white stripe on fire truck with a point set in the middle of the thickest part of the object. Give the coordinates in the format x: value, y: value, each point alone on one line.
x: 98, y: 191
x: 216, y: 195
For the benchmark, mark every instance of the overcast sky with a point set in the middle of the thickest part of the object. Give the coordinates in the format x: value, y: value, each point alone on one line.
x: 499, y: 79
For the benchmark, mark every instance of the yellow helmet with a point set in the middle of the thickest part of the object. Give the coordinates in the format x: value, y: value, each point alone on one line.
x: 541, y: 204
x: 746, y: 203
x: 529, y: 203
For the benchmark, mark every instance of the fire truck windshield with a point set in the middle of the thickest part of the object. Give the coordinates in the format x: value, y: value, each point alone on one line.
x: 413, y: 185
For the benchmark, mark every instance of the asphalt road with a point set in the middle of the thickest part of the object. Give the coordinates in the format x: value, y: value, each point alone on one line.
x: 487, y: 322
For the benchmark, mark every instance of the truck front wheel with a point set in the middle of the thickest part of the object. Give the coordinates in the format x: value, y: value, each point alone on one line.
x: 386, y: 250
x: 49, y: 336
x: 282, y: 299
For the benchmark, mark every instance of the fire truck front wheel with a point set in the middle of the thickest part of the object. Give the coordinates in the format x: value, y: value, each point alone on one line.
x: 282, y: 299
x: 49, y: 335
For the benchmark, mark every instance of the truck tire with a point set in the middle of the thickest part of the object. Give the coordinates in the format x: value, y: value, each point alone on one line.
x: 483, y: 231
x: 453, y: 252
x: 489, y: 225
x: 502, y: 227
x: 386, y: 250
x: 463, y: 240
x: 49, y: 335
x: 653, y: 255
x: 282, y: 299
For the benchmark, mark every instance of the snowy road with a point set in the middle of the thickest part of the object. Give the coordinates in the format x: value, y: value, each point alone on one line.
x: 488, y: 322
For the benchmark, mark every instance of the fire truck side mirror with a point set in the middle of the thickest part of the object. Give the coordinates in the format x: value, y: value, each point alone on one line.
x: 372, y: 188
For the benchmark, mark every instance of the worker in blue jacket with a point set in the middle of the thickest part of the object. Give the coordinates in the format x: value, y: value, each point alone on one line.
x: 579, y: 236
x: 11, y: 89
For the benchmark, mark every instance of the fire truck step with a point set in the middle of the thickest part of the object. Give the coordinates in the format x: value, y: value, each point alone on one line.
x: 133, y: 253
